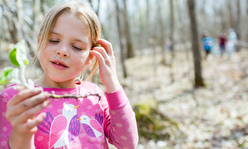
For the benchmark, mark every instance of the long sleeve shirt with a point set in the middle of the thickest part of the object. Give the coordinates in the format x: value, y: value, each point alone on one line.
x: 85, y: 123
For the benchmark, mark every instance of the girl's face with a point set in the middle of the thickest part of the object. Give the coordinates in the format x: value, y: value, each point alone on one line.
x: 67, y: 51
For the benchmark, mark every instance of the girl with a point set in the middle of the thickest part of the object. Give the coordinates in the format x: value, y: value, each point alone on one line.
x: 66, y: 46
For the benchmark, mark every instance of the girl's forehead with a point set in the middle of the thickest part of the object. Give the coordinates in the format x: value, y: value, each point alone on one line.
x: 70, y: 25
x: 69, y: 18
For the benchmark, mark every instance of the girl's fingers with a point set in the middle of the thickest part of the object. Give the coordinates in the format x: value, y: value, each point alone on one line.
x: 19, y: 88
x: 36, y: 121
x: 32, y: 123
x: 98, y: 55
x: 101, y: 50
x: 30, y: 103
x: 24, y: 94
x: 106, y: 45
x: 30, y: 113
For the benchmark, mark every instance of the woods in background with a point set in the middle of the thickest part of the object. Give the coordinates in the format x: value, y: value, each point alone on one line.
x: 138, y: 27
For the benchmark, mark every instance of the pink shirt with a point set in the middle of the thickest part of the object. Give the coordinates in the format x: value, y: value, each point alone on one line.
x: 82, y: 124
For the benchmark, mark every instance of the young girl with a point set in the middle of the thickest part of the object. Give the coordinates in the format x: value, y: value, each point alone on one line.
x: 67, y: 47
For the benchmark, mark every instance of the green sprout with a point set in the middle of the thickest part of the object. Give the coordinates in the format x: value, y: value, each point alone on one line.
x: 18, y: 58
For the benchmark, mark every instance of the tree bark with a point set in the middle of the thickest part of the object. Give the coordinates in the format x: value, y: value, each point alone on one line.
x: 122, y: 53
x: 41, y: 7
x: 195, y: 45
x: 129, y: 44
x: 223, y: 17
x: 237, y: 29
x: 172, y: 39
x: 98, y: 7
x: 183, y: 38
x: 161, y: 31
x: 11, y: 26
x: 230, y: 13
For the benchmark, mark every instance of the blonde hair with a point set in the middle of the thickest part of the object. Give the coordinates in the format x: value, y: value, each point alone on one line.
x: 84, y: 12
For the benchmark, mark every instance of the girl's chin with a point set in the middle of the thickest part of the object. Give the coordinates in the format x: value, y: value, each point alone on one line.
x: 61, y: 80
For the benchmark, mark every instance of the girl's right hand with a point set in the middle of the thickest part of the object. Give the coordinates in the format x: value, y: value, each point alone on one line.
x: 21, y: 112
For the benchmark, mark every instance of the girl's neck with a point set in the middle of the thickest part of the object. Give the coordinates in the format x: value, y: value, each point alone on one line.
x: 45, y: 82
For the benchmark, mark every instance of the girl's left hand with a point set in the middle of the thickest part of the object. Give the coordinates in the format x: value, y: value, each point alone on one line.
x: 107, y: 68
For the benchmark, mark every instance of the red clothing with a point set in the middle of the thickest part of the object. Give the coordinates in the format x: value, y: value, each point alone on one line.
x: 223, y: 40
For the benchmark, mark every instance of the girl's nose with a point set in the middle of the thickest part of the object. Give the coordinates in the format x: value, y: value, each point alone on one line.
x: 62, y: 53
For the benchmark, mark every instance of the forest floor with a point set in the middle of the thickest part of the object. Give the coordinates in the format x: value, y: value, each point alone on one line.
x: 215, y: 116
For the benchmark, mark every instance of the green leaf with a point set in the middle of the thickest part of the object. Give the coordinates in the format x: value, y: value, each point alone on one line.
x: 6, y: 71
x: 4, y: 75
x: 3, y: 80
x: 18, y: 55
x: 12, y: 58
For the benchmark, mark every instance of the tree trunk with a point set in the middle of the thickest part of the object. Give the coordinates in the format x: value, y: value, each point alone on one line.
x: 230, y: 13
x: 195, y: 45
x: 41, y: 7
x: 223, y: 17
x: 161, y: 31
x: 237, y: 29
x: 182, y: 38
x: 148, y: 24
x: 98, y: 7
x: 172, y: 39
x: 246, y: 19
x: 122, y: 53
x: 150, y: 38
x: 90, y: 1
x: 129, y: 44
x: 11, y: 26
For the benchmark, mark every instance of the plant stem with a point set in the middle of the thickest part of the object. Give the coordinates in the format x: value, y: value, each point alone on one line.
x: 74, y: 96
x: 23, y: 79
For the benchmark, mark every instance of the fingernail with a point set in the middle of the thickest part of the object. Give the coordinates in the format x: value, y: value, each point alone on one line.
x: 46, y: 103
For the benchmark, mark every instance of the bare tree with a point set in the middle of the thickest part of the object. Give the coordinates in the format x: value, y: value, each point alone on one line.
x: 195, y: 45
x: 161, y: 31
x: 122, y: 53
x: 11, y: 25
x: 42, y: 7
x: 129, y: 44
x: 172, y: 39
x: 182, y: 37
x: 230, y: 13
x: 150, y: 37
x: 98, y: 7
x: 223, y: 17
x: 237, y: 29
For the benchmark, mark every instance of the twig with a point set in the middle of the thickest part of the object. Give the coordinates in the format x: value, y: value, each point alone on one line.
x: 53, y: 95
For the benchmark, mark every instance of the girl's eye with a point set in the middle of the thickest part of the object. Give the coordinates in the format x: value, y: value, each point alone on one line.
x: 76, y: 48
x: 53, y: 41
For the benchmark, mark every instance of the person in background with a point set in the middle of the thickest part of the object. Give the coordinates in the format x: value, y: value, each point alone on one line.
x: 230, y: 48
x: 222, y: 40
x: 232, y: 37
x: 215, y: 50
x: 207, y: 44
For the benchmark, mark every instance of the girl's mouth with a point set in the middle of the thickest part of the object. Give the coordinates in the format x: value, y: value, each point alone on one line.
x: 59, y: 64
